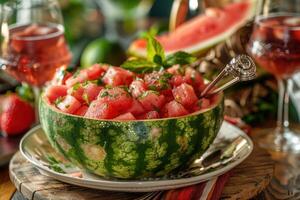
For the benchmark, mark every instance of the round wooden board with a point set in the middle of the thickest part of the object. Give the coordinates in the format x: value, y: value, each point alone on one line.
x: 248, y: 180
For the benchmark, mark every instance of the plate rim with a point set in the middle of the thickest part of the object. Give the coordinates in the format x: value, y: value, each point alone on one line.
x: 135, y: 185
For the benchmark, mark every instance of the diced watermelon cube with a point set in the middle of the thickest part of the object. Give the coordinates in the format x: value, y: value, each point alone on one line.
x: 96, y: 71
x: 158, y: 80
x: 167, y: 92
x: 193, y: 77
x: 137, y: 87
x: 213, y: 99
x: 60, y: 77
x: 168, y: 95
x: 77, y: 78
x: 126, y: 116
x: 81, y: 111
x: 69, y: 104
x: 118, y: 97
x: 116, y: 76
x: 100, y: 110
x: 175, y: 69
x: 174, y: 109
x: 55, y: 91
x: 152, y: 115
x: 91, y: 91
x: 202, y: 103
x: 152, y: 100
x: 76, y: 91
x: 86, y: 92
x: 177, y: 80
x: 136, y: 108
x: 185, y: 95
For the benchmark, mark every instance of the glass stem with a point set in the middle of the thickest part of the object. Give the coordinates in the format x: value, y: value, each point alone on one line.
x: 36, y: 92
x: 283, y: 105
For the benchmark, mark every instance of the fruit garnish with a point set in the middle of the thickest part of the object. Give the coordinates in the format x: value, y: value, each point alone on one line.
x: 156, y: 59
x: 17, y: 115
x: 201, y: 33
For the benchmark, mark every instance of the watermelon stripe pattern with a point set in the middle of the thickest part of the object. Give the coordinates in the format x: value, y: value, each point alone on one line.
x: 131, y: 149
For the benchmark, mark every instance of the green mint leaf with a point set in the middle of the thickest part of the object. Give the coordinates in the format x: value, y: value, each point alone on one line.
x: 153, y: 87
x: 154, y: 50
x: 85, y: 97
x: 180, y: 57
x: 76, y: 86
x: 58, y: 100
x: 158, y: 60
x: 140, y: 66
x: 147, y: 93
x: 25, y: 92
x: 152, y: 31
x: 104, y: 94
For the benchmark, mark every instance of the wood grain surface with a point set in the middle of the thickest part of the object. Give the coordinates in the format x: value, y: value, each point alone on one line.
x: 248, y: 179
x: 285, y: 183
x: 251, y: 177
x: 6, y: 186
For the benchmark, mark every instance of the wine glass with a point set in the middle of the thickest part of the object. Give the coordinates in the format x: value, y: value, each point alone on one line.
x: 32, y: 41
x: 275, y: 46
x: 123, y: 18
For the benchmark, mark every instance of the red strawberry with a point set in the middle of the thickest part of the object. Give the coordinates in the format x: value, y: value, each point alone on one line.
x: 17, y: 116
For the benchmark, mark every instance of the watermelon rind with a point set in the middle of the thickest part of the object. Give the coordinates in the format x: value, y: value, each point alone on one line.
x: 202, y: 47
x: 131, y: 149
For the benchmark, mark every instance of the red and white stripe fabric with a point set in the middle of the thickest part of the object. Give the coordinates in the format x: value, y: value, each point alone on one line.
x: 210, y: 190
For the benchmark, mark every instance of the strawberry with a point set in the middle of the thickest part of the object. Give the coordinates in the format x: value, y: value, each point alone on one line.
x: 17, y: 115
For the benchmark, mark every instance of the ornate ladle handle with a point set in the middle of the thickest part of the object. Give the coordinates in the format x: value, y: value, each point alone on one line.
x: 242, y: 68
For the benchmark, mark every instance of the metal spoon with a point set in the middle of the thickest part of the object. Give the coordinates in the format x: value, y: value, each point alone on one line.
x: 218, y: 157
x: 242, y: 68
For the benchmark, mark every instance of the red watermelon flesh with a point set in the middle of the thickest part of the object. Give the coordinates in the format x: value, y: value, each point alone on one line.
x: 203, y: 31
x: 146, y: 96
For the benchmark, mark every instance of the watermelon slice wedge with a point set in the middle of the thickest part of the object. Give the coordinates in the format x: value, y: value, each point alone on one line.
x: 202, y: 32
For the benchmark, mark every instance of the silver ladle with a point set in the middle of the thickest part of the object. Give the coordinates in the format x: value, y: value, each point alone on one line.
x: 242, y: 68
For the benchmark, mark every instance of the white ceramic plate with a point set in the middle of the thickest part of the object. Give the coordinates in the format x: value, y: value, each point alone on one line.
x: 36, y: 149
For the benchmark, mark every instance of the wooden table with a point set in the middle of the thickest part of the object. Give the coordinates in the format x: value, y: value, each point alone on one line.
x: 6, y: 187
x: 285, y: 183
x: 247, y: 180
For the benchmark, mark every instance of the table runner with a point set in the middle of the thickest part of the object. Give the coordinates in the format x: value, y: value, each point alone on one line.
x: 210, y: 190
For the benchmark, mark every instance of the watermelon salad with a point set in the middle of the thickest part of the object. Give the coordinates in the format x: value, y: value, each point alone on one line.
x: 100, y: 117
x: 108, y: 92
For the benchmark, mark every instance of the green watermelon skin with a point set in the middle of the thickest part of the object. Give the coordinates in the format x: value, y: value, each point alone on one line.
x: 131, y: 149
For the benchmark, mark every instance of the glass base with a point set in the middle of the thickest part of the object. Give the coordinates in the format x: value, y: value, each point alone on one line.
x: 287, y: 140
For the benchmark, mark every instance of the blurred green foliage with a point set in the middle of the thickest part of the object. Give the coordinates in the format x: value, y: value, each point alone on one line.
x: 73, y: 14
x: 126, y: 4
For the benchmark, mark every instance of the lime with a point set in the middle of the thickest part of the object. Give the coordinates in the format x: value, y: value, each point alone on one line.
x: 102, y: 51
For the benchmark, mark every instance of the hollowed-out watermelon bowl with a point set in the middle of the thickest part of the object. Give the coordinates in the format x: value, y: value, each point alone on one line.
x: 133, y: 149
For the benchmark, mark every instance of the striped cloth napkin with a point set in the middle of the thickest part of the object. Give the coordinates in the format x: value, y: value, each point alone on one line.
x: 210, y: 190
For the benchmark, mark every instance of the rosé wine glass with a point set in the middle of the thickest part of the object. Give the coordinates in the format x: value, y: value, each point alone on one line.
x: 32, y: 41
x: 275, y: 46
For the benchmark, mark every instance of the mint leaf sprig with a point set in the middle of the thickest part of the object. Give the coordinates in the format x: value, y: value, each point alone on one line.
x: 156, y: 58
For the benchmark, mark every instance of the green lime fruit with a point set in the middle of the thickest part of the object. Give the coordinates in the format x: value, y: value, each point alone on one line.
x: 102, y: 51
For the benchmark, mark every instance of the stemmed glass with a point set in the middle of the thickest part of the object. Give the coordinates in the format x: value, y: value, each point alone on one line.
x: 123, y: 18
x: 32, y: 41
x: 275, y: 46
